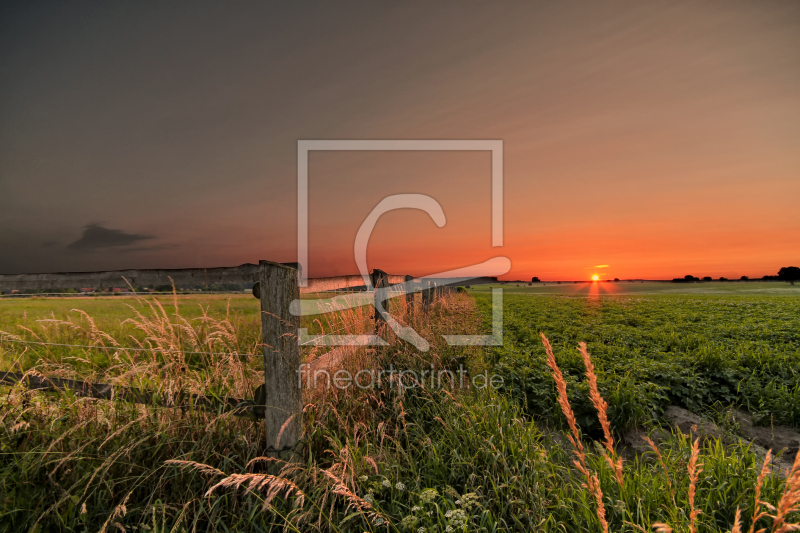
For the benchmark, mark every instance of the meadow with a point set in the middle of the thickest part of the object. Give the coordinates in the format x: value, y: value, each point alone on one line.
x: 542, y: 453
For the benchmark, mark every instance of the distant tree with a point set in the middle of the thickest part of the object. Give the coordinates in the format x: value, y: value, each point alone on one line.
x: 686, y: 279
x: 744, y: 278
x: 723, y: 278
x: 790, y: 274
x: 708, y: 278
x: 535, y: 279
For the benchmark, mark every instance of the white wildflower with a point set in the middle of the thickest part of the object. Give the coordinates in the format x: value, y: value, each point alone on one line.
x: 399, y: 486
x: 428, y: 495
x: 386, y: 483
x: 457, y: 517
x: 469, y: 500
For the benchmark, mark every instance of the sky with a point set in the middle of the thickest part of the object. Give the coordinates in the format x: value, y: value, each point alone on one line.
x: 656, y: 139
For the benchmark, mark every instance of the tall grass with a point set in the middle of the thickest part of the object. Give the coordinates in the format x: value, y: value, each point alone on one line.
x: 788, y: 503
x: 396, y: 458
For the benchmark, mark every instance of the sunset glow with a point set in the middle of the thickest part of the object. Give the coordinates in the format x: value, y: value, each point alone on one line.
x: 595, y: 277
x: 674, y: 144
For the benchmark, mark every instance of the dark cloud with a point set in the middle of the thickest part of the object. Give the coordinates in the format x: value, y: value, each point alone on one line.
x: 96, y: 237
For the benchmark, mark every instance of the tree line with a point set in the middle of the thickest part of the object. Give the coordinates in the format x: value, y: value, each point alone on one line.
x: 789, y: 274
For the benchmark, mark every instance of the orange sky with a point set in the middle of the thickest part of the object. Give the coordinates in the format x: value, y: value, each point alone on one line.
x: 658, y: 138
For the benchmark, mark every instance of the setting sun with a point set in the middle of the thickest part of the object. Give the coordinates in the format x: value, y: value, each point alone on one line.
x: 595, y: 277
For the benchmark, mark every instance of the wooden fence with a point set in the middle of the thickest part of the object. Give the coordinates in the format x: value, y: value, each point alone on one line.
x: 276, y: 285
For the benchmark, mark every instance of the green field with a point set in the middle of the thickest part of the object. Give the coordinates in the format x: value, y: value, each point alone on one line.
x: 69, y: 320
x: 621, y: 288
x: 692, y: 350
x: 416, y: 459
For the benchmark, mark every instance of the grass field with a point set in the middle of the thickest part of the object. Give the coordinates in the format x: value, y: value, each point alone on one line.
x: 218, y: 323
x: 399, y: 459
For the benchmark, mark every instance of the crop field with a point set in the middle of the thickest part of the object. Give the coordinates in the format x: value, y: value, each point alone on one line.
x: 543, y: 452
x: 692, y: 350
x: 625, y: 288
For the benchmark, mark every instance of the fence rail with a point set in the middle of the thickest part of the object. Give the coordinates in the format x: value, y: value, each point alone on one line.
x: 105, y: 391
x: 122, y: 279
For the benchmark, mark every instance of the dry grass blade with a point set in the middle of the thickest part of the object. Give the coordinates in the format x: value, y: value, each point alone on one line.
x: 566, y: 408
x: 737, y: 522
x: 601, y: 406
x: 761, y: 476
x: 119, y: 510
x: 592, y: 483
x: 790, y: 500
x: 694, y: 473
x: 251, y: 462
x: 280, y: 432
x: 595, y: 489
x: 274, y: 486
x: 353, y: 501
x: 200, y: 467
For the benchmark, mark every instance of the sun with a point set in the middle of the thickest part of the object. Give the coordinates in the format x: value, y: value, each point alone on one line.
x: 595, y: 277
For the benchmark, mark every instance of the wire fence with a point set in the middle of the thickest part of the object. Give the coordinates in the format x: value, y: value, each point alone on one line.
x: 163, y: 350
x: 123, y: 348
x: 117, y: 294
x: 370, y: 319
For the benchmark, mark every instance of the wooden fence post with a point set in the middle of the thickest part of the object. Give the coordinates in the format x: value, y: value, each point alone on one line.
x: 380, y: 280
x: 409, y: 296
x: 279, y: 286
x: 426, y: 295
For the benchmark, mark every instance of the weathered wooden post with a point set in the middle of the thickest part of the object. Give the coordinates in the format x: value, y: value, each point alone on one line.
x: 283, y: 399
x: 426, y: 295
x: 380, y: 280
x: 409, y: 295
